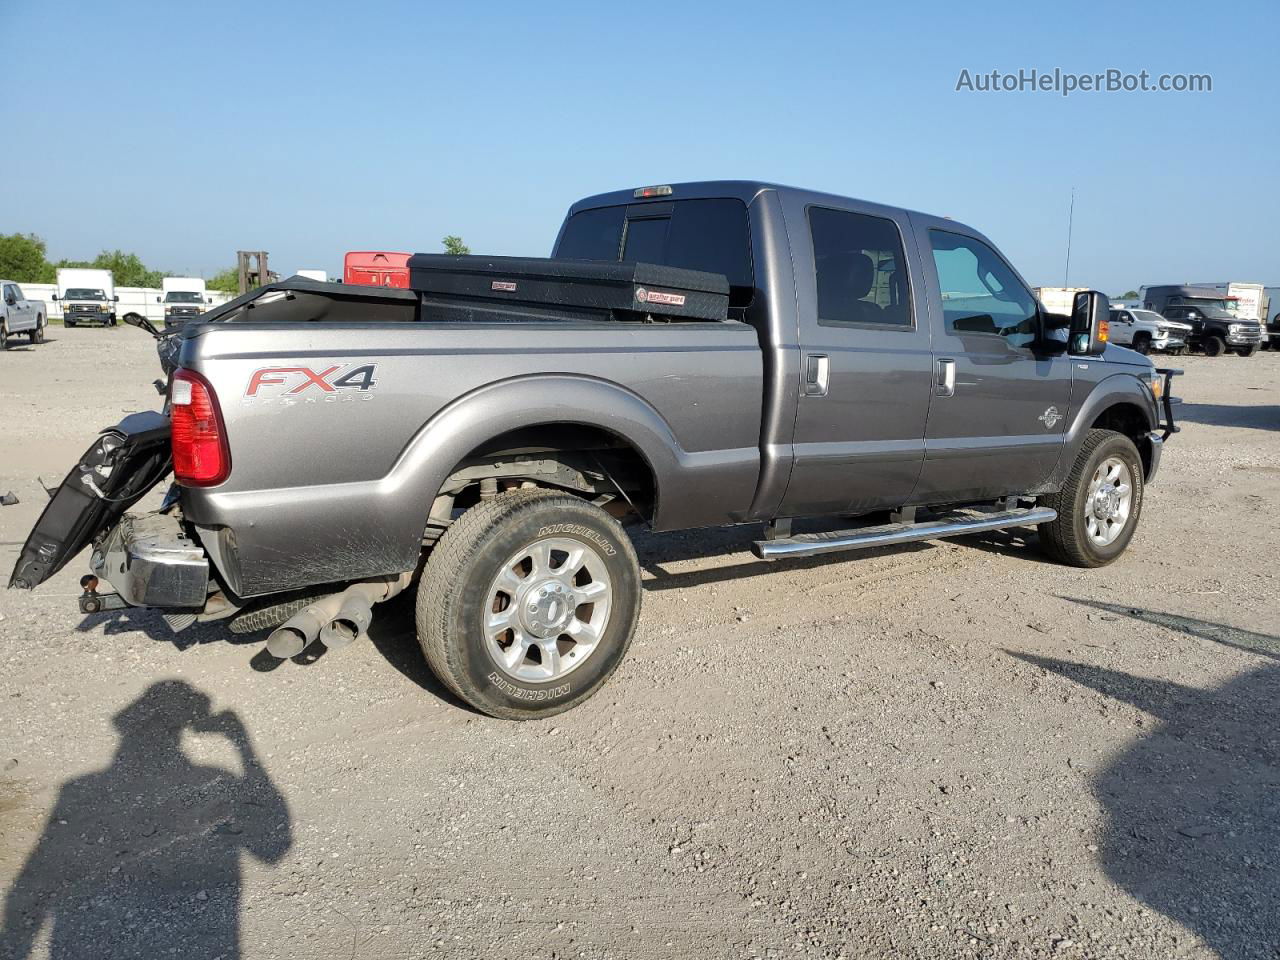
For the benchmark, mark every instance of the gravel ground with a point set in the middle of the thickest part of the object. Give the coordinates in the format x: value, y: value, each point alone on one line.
x: 943, y: 750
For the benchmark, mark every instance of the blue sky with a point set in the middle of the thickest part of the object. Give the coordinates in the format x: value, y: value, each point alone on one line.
x: 188, y: 131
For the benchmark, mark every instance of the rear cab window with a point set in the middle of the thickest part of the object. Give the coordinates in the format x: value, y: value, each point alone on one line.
x: 707, y: 234
x: 861, y: 271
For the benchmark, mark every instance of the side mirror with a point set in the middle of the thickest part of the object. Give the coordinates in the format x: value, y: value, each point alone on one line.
x: 141, y: 322
x: 158, y: 299
x: 208, y: 299
x: 1089, y: 324
x: 978, y: 323
x: 115, y: 299
x: 10, y: 300
x: 55, y: 297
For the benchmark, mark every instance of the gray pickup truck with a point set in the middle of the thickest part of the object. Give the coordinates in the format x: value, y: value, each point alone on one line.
x: 692, y: 355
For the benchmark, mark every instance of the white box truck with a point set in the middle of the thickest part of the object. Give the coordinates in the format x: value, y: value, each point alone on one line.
x: 1244, y: 300
x: 87, y: 295
x: 184, y: 298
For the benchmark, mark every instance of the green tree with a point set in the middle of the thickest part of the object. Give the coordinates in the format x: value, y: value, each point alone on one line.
x: 128, y: 269
x: 455, y: 246
x: 22, y: 259
x: 1130, y: 295
x: 225, y: 281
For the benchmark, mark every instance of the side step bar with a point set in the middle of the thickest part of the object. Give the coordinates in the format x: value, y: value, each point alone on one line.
x: 813, y: 544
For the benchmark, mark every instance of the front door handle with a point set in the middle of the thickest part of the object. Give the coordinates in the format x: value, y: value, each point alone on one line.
x: 945, y: 381
x: 817, y: 374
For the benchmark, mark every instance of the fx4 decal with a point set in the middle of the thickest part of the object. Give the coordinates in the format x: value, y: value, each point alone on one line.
x: 337, y: 382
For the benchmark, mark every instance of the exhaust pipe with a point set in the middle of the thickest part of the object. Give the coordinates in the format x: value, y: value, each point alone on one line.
x: 351, y: 622
x: 300, y: 631
x: 355, y: 609
x: 336, y: 620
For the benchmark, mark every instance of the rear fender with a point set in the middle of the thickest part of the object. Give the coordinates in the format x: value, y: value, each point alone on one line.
x: 280, y: 539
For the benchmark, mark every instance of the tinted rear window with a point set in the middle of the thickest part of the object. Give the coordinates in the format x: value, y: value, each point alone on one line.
x: 710, y: 235
x: 593, y: 235
x: 646, y: 240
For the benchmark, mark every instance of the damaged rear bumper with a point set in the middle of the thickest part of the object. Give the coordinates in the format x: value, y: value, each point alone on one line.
x: 150, y: 561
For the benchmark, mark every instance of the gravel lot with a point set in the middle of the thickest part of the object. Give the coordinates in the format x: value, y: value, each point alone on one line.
x: 943, y: 750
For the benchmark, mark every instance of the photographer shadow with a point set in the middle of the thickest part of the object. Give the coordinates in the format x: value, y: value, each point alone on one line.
x: 1193, y: 804
x: 143, y: 858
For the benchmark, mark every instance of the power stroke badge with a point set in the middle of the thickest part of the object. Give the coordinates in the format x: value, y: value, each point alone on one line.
x: 335, y: 383
x: 1050, y: 417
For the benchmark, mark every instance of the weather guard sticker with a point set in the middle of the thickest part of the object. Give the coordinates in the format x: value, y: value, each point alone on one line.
x: 660, y: 296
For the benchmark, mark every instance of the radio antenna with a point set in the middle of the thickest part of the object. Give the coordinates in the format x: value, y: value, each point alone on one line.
x: 1071, y: 212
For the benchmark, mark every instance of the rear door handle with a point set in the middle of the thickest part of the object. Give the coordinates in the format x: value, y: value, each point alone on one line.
x: 817, y: 374
x: 944, y: 384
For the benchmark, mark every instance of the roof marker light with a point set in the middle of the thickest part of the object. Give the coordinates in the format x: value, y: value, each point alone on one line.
x: 642, y: 192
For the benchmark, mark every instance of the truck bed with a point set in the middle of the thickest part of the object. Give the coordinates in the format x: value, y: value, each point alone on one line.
x: 408, y: 397
x: 450, y: 289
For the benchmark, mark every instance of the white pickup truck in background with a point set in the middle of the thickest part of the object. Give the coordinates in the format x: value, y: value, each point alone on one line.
x: 20, y: 315
x: 1146, y: 330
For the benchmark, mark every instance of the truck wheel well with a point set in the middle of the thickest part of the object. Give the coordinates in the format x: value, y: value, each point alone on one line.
x: 1128, y: 418
x: 588, y: 461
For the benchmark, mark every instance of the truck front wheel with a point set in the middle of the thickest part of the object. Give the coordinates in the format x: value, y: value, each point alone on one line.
x: 1214, y: 346
x: 1142, y: 343
x: 1099, y: 505
x: 528, y: 603
x: 1248, y: 351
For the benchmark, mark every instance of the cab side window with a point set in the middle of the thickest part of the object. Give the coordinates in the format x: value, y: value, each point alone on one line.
x: 980, y: 292
x: 861, y: 271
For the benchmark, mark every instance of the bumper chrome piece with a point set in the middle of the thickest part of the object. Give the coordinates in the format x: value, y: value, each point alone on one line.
x: 151, y: 562
x: 1156, y: 439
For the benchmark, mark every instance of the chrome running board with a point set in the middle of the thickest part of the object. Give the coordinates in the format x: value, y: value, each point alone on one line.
x: 834, y: 541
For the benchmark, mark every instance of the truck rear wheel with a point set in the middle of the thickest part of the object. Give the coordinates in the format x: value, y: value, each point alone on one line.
x: 528, y: 603
x: 1099, y: 505
x: 37, y: 332
x: 1214, y: 346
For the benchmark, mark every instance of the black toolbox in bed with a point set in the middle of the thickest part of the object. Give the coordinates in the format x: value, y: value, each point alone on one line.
x: 519, y: 289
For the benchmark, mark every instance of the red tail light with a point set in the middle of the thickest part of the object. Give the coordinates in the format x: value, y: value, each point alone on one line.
x: 200, y: 454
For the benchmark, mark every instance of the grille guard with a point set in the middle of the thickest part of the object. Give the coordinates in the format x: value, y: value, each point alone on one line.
x: 1168, y: 428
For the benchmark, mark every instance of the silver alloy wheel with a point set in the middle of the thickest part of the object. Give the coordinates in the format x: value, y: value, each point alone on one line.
x: 547, y: 609
x: 1109, y: 502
